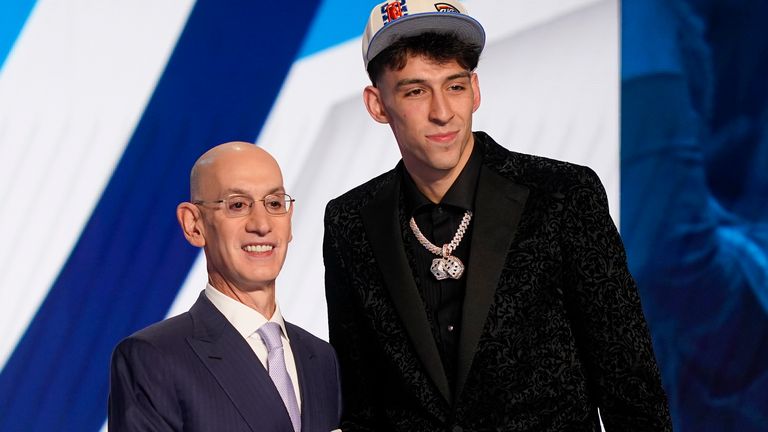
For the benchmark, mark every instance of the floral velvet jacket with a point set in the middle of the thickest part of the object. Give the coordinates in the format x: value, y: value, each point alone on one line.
x: 552, y: 326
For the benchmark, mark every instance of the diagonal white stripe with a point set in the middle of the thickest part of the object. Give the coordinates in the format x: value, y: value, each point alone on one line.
x: 71, y: 93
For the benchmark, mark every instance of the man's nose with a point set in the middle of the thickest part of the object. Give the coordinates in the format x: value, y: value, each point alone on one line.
x: 440, y: 109
x: 259, y: 220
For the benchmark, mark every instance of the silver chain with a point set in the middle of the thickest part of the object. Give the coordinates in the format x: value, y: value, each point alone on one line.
x: 447, y: 248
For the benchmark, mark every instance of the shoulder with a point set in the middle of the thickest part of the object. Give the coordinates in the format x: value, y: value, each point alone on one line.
x: 538, y: 173
x: 307, y: 338
x: 159, y: 338
x: 304, y: 336
x: 351, y: 201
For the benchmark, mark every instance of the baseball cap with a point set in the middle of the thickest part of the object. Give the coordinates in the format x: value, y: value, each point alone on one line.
x: 397, y: 18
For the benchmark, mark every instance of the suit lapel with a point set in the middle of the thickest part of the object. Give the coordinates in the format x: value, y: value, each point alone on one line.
x: 499, y: 203
x: 306, y: 373
x: 381, y: 221
x: 235, y: 366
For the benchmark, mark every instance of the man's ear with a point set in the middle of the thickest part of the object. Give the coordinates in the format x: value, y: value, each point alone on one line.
x: 475, y: 92
x: 189, y: 218
x: 374, y: 104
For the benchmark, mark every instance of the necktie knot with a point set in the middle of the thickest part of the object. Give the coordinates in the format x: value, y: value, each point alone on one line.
x: 270, y: 333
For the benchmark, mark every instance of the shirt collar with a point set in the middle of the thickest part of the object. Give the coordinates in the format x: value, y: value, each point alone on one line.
x: 243, y: 318
x: 461, y: 194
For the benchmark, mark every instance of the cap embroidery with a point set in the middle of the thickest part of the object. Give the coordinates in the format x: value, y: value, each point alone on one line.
x: 445, y: 7
x: 393, y: 10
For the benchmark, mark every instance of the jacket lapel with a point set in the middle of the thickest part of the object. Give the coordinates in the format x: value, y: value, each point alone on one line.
x: 306, y: 373
x: 499, y: 204
x: 381, y: 221
x: 235, y: 366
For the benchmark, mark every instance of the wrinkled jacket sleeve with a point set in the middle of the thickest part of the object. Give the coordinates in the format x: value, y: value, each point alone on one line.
x: 346, y: 331
x: 604, y: 306
x: 141, y: 390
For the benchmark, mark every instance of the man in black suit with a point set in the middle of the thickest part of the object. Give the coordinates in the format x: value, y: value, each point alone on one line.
x: 473, y: 288
x: 231, y: 363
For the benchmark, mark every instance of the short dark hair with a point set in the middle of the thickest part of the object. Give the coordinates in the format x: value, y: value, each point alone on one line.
x: 440, y: 47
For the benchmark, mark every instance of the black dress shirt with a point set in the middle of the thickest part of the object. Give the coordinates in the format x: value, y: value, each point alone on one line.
x: 439, y: 222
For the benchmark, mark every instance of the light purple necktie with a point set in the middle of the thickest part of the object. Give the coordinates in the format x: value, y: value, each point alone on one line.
x: 270, y: 334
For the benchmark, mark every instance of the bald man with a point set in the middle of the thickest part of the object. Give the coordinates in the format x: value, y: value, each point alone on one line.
x: 231, y: 363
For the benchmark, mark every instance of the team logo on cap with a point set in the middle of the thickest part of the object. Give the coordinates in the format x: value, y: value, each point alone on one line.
x: 393, y: 10
x: 445, y: 7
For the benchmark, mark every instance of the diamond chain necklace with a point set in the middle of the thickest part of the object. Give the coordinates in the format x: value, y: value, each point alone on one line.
x: 447, y: 265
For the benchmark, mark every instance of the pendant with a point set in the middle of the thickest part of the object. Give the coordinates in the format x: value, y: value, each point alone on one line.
x: 447, y: 267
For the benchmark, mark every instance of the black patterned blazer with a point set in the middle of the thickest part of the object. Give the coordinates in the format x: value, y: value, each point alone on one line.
x: 552, y: 327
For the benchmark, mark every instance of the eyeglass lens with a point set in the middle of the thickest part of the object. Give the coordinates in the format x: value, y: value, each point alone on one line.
x: 242, y: 205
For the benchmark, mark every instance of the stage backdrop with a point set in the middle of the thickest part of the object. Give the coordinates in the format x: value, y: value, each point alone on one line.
x: 694, y: 201
x: 104, y: 106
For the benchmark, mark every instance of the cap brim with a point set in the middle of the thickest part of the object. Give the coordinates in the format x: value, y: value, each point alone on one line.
x: 463, y: 26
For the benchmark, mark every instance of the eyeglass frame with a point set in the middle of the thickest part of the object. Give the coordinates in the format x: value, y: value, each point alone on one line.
x: 286, y: 199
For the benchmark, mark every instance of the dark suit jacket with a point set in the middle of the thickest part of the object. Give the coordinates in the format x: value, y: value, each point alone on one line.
x: 195, y: 372
x: 552, y: 326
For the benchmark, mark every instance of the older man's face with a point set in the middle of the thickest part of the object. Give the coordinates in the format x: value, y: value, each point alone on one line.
x: 245, y: 252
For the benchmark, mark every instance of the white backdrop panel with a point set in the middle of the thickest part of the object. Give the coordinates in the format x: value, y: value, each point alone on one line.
x: 71, y: 92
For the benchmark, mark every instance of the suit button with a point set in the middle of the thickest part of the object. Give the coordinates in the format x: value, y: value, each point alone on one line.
x: 457, y: 428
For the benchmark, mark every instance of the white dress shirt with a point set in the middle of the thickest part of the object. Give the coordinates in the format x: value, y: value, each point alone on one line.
x: 247, y: 321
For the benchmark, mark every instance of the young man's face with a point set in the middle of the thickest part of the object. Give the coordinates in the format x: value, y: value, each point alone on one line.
x: 429, y: 107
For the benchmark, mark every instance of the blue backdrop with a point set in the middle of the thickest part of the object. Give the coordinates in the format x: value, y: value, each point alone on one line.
x: 694, y: 203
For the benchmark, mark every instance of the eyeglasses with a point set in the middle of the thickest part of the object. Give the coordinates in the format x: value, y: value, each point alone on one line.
x: 242, y: 205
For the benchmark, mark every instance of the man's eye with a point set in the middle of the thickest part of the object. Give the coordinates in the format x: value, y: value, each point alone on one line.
x: 275, y: 204
x: 238, y: 204
x: 456, y: 87
x: 415, y: 92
